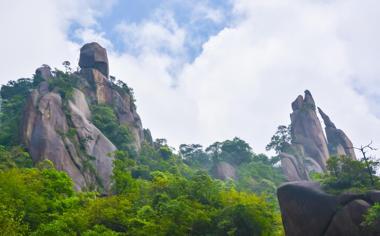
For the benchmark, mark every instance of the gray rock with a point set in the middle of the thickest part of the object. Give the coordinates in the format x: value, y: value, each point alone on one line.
x: 44, y: 132
x: 44, y: 123
x: 94, y: 142
x: 310, y: 150
x: 44, y: 72
x: 62, y: 131
x: 373, y: 196
x: 305, y: 208
x: 307, y: 130
x: 79, y: 101
x: 224, y: 171
x: 291, y: 168
x: 100, y: 87
x: 127, y: 114
x: 338, y: 142
x: 347, y: 220
x: 94, y: 56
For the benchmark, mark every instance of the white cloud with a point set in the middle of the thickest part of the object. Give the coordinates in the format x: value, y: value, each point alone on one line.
x: 35, y: 33
x: 244, y: 80
x: 160, y: 35
x: 247, y: 76
x: 87, y: 35
x: 204, y: 11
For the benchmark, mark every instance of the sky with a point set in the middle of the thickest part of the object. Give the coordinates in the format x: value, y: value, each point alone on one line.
x: 210, y: 70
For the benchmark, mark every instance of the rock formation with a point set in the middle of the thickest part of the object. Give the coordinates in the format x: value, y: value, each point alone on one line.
x: 309, y: 149
x: 61, y: 130
x: 307, y: 210
x: 224, y: 171
x: 338, y: 142
x: 94, y: 56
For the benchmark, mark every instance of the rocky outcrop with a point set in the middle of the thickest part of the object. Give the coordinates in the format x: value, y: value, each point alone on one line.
x: 309, y: 149
x: 224, y: 171
x: 95, y: 144
x: 59, y: 128
x: 94, y: 56
x: 43, y: 130
x: 306, y: 129
x: 338, y: 142
x: 99, y: 89
x: 307, y: 210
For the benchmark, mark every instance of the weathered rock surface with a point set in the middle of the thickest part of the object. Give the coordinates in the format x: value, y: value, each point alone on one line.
x: 348, y: 219
x: 98, y: 88
x: 92, y: 55
x: 224, y: 171
x: 307, y: 130
x: 307, y: 210
x: 310, y: 149
x: 42, y: 131
x: 338, y: 142
x: 95, y: 143
x: 61, y: 130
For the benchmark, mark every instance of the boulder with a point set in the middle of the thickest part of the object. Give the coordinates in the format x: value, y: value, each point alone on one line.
x: 290, y: 167
x: 224, y: 171
x: 348, y: 219
x: 94, y: 56
x: 44, y: 72
x: 305, y: 208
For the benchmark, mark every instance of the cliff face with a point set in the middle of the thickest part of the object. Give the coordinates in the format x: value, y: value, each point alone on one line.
x: 59, y: 128
x: 310, y: 149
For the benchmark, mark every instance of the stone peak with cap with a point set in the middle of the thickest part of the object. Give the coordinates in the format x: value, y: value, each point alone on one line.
x: 94, y: 56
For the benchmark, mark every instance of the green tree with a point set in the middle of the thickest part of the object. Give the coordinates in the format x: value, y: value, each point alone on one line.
x: 280, y: 141
x: 346, y: 175
x: 105, y: 119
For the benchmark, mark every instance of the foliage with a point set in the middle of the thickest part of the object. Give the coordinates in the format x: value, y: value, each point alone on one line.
x: 123, y: 88
x: 14, y: 157
x: 170, y: 205
x: 280, y: 141
x: 21, y: 87
x: 259, y: 176
x: 154, y: 191
x: 63, y: 83
x: 105, y: 119
x: 33, y: 197
x: 372, y: 216
x: 255, y: 172
x: 346, y: 175
x: 194, y: 155
x: 13, y: 95
x: 235, y: 151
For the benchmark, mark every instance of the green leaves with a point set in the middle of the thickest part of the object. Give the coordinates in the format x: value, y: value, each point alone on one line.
x: 105, y: 119
x: 280, y: 140
x: 346, y: 175
x: 35, y: 196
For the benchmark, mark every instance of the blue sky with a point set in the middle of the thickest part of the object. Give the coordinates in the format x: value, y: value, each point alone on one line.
x: 199, y: 27
x: 203, y: 70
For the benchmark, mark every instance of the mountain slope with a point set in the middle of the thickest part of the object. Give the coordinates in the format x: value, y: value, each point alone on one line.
x: 58, y: 119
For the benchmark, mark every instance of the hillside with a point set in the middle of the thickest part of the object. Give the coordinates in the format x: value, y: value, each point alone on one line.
x: 75, y: 160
